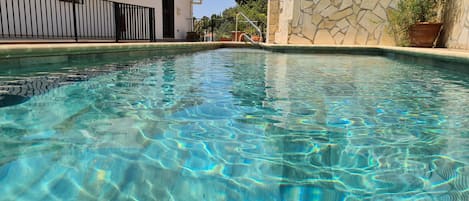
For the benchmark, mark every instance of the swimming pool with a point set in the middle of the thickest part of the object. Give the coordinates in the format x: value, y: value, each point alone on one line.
x: 242, y: 124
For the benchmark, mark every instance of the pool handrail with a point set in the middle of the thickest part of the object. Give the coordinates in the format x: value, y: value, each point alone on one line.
x: 245, y: 35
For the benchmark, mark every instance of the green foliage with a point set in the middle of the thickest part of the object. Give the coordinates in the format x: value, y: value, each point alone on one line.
x: 224, y: 24
x: 410, y: 12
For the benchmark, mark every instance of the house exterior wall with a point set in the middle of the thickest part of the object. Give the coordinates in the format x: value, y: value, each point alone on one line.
x: 182, y: 15
x: 353, y: 22
x: 62, y: 24
x: 183, y: 18
x: 456, y: 28
x: 347, y: 22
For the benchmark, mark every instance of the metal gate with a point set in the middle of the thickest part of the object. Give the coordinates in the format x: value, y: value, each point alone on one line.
x: 77, y: 20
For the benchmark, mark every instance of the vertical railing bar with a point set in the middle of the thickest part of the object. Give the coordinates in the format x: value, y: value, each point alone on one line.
x: 37, y: 17
x: 134, y: 17
x: 68, y: 23
x: 85, y: 19
x: 128, y: 22
x: 139, y: 21
x: 25, y: 19
x: 51, y: 20
x: 136, y: 22
x: 53, y: 25
x: 82, y: 20
x: 1, y: 19
x: 88, y: 17
x: 92, y: 15
x: 131, y: 24
x: 75, y: 20
x: 125, y: 23
x: 131, y: 27
x: 71, y: 18
x: 100, y: 19
x: 107, y: 29
x: 108, y: 14
x: 145, y: 11
x: 42, y: 21
x: 152, y: 25
x: 112, y: 14
x: 57, y: 20
x: 62, y: 28
x: 103, y: 16
x: 140, y: 17
x: 117, y: 21
x: 31, y: 18
x: 8, y: 19
x: 47, y: 19
x: 48, y: 15
x: 19, y: 19
x: 13, y: 12
x: 95, y: 31
x: 147, y: 23
x: 100, y: 5
x: 144, y: 22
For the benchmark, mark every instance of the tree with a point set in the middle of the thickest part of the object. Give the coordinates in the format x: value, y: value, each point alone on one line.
x: 255, y: 10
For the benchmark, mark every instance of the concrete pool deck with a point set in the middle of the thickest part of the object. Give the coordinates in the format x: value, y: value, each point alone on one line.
x: 53, y: 49
x: 421, y: 55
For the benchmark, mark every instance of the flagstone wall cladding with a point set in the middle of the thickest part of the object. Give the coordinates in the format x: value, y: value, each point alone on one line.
x: 273, y: 19
x: 456, y: 28
x: 348, y: 22
x: 353, y: 22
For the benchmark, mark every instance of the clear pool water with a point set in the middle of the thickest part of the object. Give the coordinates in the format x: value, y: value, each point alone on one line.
x: 240, y: 124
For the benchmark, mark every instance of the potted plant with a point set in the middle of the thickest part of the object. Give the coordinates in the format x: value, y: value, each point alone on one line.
x: 416, y: 23
x: 192, y: 36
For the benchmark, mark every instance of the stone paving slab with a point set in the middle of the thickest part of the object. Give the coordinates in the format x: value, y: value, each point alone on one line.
x: 34, y: 50
x: 442, y: 54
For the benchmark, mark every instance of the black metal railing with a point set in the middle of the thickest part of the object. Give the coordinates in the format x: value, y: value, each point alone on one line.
x: 78, y: 20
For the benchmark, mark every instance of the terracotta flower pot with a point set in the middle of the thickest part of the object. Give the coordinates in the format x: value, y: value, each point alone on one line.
x: 236, y: 36
x: 424, y: 34
x: 256, y: 38
x: 224, y: 39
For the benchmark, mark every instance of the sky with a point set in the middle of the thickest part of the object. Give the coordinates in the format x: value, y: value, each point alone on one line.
x: 210, y: 7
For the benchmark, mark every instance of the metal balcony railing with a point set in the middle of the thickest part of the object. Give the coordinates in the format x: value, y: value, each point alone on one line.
x: 77, y: 20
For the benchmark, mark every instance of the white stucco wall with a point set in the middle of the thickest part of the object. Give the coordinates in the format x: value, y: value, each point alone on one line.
x: 182, y: 15
x: 183, y: 18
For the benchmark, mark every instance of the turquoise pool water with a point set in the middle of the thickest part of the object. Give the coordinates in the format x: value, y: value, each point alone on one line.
x: 240, y: 124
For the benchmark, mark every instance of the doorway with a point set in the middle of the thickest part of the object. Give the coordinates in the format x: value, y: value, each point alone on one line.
x: 168, y: 18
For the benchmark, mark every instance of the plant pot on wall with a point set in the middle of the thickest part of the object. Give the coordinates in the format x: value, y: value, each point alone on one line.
x: 192, y: 36
x: 424, y: 34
